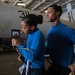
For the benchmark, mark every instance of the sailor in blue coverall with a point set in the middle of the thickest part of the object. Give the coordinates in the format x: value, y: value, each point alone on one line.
x: 35, y: 44
x: 60, y: 43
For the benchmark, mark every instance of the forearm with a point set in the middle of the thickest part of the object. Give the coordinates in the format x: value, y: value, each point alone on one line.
x: 72, y: 67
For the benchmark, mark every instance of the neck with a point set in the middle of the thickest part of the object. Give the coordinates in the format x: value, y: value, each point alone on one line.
x: 34, y: 29
x: 55, y: 22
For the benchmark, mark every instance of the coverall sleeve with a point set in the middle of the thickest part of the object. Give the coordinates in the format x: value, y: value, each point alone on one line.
x: 34, y: 49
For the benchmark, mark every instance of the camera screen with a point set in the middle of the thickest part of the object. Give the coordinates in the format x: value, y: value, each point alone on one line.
x: 15, y: 33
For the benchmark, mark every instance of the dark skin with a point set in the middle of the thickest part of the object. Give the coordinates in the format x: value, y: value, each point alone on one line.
x: 27, y: 29
x: 54, y: 17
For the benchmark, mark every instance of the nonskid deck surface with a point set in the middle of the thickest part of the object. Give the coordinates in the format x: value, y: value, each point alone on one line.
x: 9, y: 63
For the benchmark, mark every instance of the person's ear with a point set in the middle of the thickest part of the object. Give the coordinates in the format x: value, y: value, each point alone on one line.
x: 58, y: 13
x: 32, y: 27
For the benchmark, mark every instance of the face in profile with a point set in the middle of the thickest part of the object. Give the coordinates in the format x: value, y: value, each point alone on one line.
x: 51, y: 14
x: 25, y: 28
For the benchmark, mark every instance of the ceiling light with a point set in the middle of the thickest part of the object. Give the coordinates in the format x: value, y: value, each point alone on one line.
x: 21, y: 4
x: 46, y: 11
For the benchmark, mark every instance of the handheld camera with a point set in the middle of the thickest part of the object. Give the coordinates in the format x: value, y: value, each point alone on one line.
x: 15, y: 33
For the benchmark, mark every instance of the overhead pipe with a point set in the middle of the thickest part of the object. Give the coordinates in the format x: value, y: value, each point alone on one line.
x: 48, y: 5
x: 38, y: 4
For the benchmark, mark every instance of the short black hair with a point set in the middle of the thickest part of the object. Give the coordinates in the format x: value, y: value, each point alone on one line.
x: 57, y: 8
